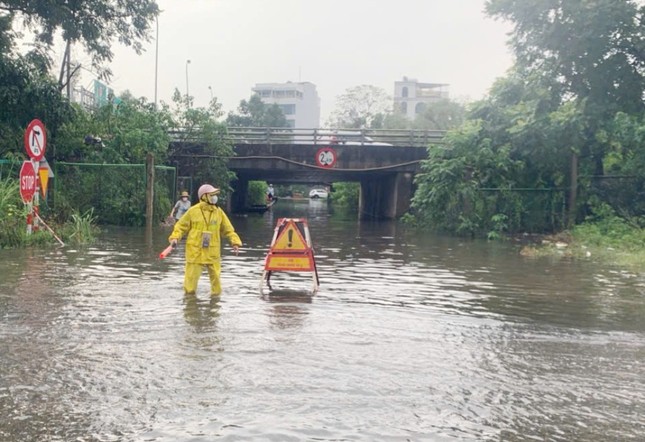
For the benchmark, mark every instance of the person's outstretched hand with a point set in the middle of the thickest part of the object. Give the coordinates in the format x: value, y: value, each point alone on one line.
x: 236, y: 250
x: 173, y: 242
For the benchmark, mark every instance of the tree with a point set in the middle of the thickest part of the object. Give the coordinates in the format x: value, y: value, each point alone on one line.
x: 361, y: 107
x: 440, y: 115
x: 201, y: 128
x: 94, y: 23
x: 256, y: 113
x: 26, y: 92
x: 594, y: 49
x: 122, y: 133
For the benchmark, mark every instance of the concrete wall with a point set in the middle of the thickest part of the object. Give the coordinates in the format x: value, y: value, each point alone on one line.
x: 385, y: 197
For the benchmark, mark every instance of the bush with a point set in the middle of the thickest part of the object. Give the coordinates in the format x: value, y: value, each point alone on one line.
x: 346, y: 195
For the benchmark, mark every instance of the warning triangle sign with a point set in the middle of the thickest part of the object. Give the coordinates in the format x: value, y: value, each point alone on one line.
x: 43, y: 174
x: 290, y: 240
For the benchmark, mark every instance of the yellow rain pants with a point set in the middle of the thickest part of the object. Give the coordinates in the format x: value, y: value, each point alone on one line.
x: 203, y: 225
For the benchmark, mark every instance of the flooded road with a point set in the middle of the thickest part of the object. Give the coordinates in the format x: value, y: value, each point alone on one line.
x: 411, y: 337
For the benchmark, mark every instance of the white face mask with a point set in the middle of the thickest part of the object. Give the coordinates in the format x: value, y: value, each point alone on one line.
x: 213, y: 199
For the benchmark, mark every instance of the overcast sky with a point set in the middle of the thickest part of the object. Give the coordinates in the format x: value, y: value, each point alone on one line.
x: 335, y: 44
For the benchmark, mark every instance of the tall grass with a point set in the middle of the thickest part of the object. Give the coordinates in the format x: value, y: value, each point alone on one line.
x: 81, y: 228
x: 13, y: 229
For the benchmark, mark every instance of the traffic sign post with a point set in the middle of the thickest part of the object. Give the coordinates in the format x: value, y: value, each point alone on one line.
x: 36, y: 140
x: 28, y: 183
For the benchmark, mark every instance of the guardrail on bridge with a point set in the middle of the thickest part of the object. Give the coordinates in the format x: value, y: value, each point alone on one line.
x: 362, y: 137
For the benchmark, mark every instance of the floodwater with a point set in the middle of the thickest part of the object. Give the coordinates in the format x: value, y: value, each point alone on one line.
x: 410, y: 338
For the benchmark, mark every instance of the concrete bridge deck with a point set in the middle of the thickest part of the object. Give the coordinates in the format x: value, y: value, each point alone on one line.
x: 383, y: 162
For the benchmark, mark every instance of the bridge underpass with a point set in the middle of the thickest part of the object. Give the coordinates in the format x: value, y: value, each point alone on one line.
x: 385, y: 171
x: 385, y: 178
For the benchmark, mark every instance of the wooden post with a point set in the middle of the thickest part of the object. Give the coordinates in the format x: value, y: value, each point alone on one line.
x: 150, y: 189
x: 573, y: 192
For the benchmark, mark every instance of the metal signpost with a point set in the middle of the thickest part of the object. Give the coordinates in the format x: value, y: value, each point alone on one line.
x: 35, y: 145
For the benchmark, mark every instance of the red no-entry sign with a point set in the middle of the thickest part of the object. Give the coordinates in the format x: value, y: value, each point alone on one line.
x: 27, y: 181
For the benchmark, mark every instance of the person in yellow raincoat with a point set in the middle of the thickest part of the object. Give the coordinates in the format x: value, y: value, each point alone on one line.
x: 203, y: 225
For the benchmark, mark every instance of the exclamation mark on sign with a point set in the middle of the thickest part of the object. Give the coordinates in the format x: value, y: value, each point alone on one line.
x: 290, y: 234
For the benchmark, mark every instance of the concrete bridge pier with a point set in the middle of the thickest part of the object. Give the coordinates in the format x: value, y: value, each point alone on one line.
x: 385, y: 196
x: 237, y: 201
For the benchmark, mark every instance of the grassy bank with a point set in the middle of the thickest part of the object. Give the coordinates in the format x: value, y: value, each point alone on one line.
x: 79, y: 229
x: 612, y: 241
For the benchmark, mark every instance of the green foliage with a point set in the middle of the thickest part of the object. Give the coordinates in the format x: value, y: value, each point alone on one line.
x: 591, y: 52
x: 594, y: 49
x: 116, y: 193
x: 346, y: 195
x: 469, y: 185
x: 13, y: 227
x: 81, y: 229
x: 202, y: 124
x: 256, y: 113
x: 499, y: 224
x: 127, y: 131
x: 12, y: 224
x: 256, y: 193
x: 94, y: 23
x: 26, y: 92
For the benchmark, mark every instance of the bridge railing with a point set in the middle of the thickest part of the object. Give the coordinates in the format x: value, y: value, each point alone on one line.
x: 324, y: 137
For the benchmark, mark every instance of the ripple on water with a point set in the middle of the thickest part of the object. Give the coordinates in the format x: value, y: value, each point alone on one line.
x: 420, y: 340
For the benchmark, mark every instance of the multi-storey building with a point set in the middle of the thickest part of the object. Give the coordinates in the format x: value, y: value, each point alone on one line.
x: 411, y: 98
x: 299, y: 102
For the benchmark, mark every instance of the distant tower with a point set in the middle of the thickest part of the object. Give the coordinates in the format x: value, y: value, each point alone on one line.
x: 411, y: 97
x: 299, y: 102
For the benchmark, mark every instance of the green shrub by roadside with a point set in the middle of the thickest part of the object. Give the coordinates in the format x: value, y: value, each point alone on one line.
x: 79, y: 229
x: 604, y: 237
x: 346, y: 195
x: 256, y: 193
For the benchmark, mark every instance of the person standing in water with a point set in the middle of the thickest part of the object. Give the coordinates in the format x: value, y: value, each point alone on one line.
x: 203, y: 225
x: 181, y: 206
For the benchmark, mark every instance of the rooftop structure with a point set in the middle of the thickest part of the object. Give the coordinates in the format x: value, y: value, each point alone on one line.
x: 299, y: 102
x: 411, y: 98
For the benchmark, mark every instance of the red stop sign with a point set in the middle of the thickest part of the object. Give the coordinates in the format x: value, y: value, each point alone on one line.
x: 27, y: 181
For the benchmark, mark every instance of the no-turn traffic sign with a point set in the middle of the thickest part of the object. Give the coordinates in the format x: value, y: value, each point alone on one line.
x: 35, y: 140
x: 27, y: 181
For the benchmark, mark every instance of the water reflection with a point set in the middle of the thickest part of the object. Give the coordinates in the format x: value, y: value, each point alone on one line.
x: 286, y: 307
x: 201, y: 314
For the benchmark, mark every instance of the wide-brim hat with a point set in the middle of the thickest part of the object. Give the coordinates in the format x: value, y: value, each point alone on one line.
x: 184, y: 193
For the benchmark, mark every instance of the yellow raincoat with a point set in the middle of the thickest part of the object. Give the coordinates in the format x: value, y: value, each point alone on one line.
x: 201, y: 218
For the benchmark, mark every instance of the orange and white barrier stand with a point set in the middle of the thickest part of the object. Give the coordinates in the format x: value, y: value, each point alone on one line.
x: 290, y: 251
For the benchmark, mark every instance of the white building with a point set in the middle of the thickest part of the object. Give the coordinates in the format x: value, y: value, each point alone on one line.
x: 299, y: 102
x: 411, y: 98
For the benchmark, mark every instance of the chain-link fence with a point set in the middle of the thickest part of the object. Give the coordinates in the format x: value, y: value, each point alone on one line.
x: 524, y: 209
x: 115, y: 192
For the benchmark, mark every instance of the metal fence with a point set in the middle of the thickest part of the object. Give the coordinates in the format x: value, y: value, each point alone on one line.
x: 526, y: 209
x: 115, y: 192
